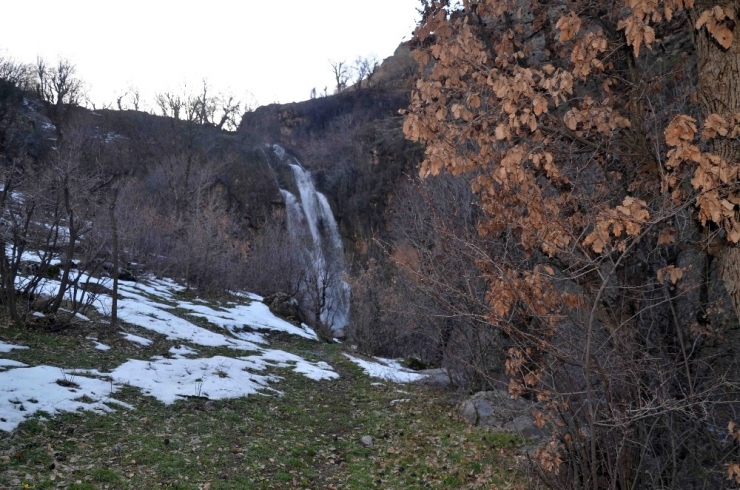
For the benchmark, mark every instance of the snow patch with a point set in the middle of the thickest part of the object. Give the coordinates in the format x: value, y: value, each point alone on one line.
x: 315, y: 370
x: 25, y: 391
x: 9, y: 347
x: 169, y: 380
x: 386, y: 369
x: 136, y: 339
x: 180, y: 351
x: 98, y: 345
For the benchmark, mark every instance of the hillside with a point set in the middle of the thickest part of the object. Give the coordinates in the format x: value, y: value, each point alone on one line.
x: 215, y: 395
x: 545, y: 215
x: 352, y: 143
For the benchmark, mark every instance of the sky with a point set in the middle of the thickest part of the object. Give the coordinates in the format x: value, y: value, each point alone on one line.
x: 266, y: 51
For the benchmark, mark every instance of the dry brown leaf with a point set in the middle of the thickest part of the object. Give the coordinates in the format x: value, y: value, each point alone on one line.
x: 680, y: 130
x: 670, y: 272
x: 733, y: 472
x: 569, y: 25
x: 667, y: 236
x: 713, y: 20
x: 723, y: 35
x: 714, y: 125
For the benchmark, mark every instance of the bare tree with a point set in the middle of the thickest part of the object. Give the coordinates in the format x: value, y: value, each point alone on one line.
x: 274, y: 262
x: 341, y: 74
x: 59, y: 87
x: 15, y: 72
x: 57, y: 84
x: 170, y: 104
x: 220, y: 110
x: 364, y: 69
x: 72, y: 181
x: 119, y: 100
x: 134, y: 96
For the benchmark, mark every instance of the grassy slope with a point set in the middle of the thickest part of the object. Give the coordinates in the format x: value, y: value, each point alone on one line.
x: 306, y: 438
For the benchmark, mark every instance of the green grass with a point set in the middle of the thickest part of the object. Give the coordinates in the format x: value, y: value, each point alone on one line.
x: 308, y: 437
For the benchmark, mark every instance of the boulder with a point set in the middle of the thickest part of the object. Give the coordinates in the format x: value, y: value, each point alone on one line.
x: 284, y: 306
x: 523, y: 425
x: 498, y: 410
x: 436, y: 377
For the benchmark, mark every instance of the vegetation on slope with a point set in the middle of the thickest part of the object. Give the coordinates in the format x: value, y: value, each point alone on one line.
x: 306, y: 437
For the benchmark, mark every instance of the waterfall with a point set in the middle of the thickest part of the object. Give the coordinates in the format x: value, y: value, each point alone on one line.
x: 311, y: 223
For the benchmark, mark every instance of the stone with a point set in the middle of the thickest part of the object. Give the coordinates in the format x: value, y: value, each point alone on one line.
x: 284, y: 306
x: 524, y: 426
x: 468, y: 412
x: 366, y: 441
x: 436, y: 377
x: 498, y: 410
x: 486, y: 415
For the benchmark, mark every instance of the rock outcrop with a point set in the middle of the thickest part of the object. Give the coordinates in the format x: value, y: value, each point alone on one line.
x: 285, y: 306
x: 498, y: 410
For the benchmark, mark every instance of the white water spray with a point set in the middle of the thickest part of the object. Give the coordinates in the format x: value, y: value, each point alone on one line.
x: 311, y: 222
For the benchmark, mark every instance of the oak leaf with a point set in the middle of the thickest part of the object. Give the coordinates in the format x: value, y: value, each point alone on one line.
x: 670, y: 272
x: 713, y: 20
x: 667, y: 236
x: 569, y: 26
x: 540, y: 419
x: 733, y: 472
x: 540, y: 104
x: 680, y: 130
x: 714, y: 125
x: 734, y: 430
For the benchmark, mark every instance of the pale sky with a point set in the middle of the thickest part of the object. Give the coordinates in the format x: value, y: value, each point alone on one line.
x: 277, y: 50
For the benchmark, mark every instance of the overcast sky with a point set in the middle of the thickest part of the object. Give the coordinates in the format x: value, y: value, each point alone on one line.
x: 277, y: 50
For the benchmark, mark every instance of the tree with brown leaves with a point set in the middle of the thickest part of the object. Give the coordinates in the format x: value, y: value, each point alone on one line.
x: 602, y: 142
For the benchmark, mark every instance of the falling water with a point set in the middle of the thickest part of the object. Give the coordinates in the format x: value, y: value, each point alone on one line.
x: 311, y: 221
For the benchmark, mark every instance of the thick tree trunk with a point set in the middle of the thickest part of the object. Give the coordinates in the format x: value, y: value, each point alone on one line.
x: 719, y: 93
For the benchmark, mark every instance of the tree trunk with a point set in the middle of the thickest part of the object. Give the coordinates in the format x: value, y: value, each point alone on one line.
x: 114, y: 238
x: 72, y: 227
x: 719, y: 93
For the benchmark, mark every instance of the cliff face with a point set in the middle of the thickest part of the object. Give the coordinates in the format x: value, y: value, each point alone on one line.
x: 295, y: 123
x: 352, y: 143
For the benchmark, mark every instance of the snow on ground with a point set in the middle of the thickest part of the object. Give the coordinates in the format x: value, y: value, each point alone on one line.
x: 8, y: 347
x: 315, y: 370
x: 255, y: 314
x: 181, y: 351
x: 26, y: 390
x: 136, y: 339
x: 99, y: 345
x: 77, y: 315
x: 7, y: 363
x: 387, y: 369
x: 169, y: 380
x: 140, y: 310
